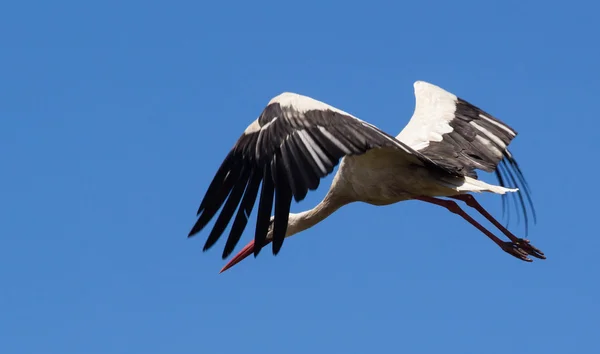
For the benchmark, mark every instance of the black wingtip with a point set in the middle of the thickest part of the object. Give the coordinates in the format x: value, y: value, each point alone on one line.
x: 277, y: 246
x: 508, y: 171
x: 195, y: 229
x: 265, y: 205
x: 283, y: 200
x: 229, y: 208
x: 243, y: 213
x: 256, y: 250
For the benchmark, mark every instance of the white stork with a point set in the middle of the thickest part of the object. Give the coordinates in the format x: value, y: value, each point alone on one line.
x: 298, y: 140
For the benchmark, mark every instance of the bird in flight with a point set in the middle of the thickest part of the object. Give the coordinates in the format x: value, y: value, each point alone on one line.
x: 298, y: 140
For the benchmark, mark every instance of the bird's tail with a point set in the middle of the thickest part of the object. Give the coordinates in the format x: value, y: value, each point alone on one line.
x: 468, y: 184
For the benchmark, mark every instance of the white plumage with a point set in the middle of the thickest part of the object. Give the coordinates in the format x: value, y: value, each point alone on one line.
x: 298, y: 140
x: 434, y: 109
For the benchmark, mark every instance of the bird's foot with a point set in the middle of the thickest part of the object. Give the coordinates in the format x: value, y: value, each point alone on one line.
x: 522, y: 249
x: 525, y: 245
x: 515, y: 250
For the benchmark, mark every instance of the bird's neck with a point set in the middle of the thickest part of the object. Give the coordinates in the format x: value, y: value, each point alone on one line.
x: 309, y: 218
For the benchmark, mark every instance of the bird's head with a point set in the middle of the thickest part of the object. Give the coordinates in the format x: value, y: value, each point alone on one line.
x: 249, y: 248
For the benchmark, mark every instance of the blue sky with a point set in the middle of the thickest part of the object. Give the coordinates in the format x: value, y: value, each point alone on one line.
x: 116, y: 115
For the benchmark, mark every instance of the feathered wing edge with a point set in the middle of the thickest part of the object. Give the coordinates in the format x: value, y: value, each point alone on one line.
x: 508, y: 173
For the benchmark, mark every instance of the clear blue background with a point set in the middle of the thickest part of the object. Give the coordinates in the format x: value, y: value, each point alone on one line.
x: 115, y: 115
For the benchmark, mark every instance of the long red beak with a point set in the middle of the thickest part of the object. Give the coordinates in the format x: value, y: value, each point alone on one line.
x: 245, y: 252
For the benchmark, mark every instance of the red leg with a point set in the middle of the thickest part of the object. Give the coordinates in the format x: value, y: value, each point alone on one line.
x: 509, y: 247
x: 523, y: 243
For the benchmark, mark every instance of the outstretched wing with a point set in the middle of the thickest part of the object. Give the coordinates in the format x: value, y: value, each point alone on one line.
x: 463, y: 138
x: 294, y: 143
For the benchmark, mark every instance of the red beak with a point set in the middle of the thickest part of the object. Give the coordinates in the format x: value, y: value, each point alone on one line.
x: 245, y: 252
